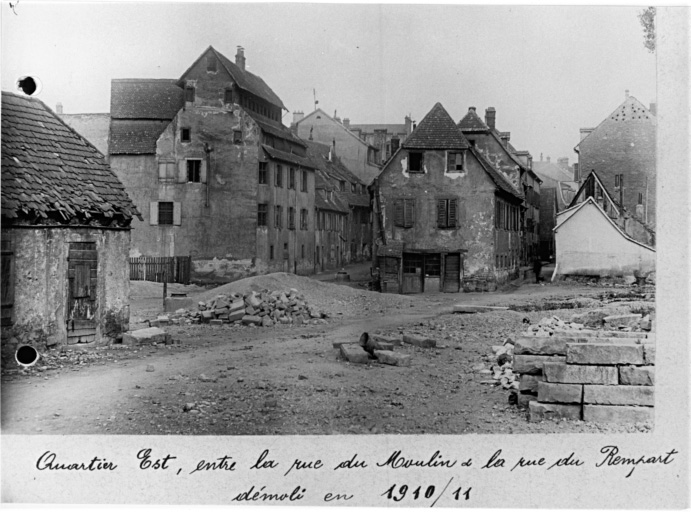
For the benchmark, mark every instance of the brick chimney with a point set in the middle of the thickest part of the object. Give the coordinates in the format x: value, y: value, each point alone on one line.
x: 490, y: 117
x: 563, y: 162
x: 472, y: 109
x: 58, y: 108
x: 408, y: 125
x: 653, y: 108
x: 298, y: 116
x: 505, y: 137
x: 626, y: 94
x: 240, y: 58
x: 346, y: 122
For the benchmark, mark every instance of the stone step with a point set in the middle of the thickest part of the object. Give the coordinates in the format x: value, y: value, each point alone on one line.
x: 620, y: 414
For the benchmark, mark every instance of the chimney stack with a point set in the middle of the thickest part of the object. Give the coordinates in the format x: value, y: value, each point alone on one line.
x: 505, y: 137
x: 563, y: 162
x: 240, y: 58
x: 346, y: 122
x: 298, y: 116
x: 490, y: 117
x: 653, y: 108
x: 576, y: 176
x: 58, y: 108
x: 395, y: 144
x: 626, y: 94
x: 408, y: 125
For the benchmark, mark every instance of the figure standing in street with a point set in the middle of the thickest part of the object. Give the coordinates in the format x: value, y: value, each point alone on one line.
x: 537, y: 268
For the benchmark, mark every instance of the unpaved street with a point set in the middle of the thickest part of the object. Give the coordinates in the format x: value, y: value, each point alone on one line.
x: 232, y: 380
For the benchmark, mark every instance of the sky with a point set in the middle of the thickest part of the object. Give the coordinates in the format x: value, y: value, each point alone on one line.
x: 548, y: 71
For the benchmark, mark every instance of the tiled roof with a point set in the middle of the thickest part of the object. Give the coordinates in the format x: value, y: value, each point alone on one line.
x: 135, y: 98
x: 249, y: 81
x: 436, y: 131
x: 472, y: 122
x: 50, y: 171
x: 275, y: 129
x: 551, y: 172
x: 499, y: 179
x: 369, y: 128
x: 135, y: 137
x: 289, y: 158
x: 322, y: 202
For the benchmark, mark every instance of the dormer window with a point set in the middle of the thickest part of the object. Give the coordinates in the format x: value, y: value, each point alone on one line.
x: 415, y: 161
x: 455, y: 161
x: 211, y: 64
x: 189, y: 94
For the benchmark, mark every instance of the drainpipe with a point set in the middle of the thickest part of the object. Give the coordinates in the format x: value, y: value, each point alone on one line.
x: 208, y: 149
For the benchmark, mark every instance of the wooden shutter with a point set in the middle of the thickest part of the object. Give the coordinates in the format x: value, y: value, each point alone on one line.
x: 399, y: 218
x: 441, y: 213
x: 182, y: 171
x: 153, y: 213
x: 177, y: 214
x: 162, y: 174
x: 450, y: 161
x: 409, y: 211
x: 203, y: 171
x: 452, y: 213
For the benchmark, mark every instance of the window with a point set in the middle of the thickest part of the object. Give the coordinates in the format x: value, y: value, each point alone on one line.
x: 303, y: 184
x: 228, y: 96
x: 616, y: 180
x: 165, y: 213
x: 353, y: 187
x: 454, y: 161
x: 342, y: 186
x: 237, y: 136
x: 302, y: 252
x: 640, y: 198
x: 278, y: 179
x: 211, y: 64
x: 446, y: 213
x: 271, y: 252
x: 278, y: 217
x: 263, y: 173
x: 167, y: 171
x: 185, y: 135
x: 303, y: 219
x: 291, y: 218
x: 262, y: 214
x: 364, y: 216
x: 291, y: 178
x: 404, y: 212
x: 7, y: 288
x: 189, y: 94
x: 415, y: 162
x: 194, y: 171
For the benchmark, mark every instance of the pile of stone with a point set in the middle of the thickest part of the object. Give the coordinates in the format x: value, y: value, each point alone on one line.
x: 502, y: 372
x: 253, y: 309
x: 372, y: 347
x: 599, y: 375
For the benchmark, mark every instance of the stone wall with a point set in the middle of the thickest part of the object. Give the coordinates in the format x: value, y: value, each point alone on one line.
x: 598, y: 376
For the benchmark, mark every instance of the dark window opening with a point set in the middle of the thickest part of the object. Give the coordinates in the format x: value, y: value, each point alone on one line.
x: 278, y: 217
x: 7, y: 283
x: 165, y: 213
x: 263, y: 173
x: 262, y: 214
x: 302, y: 252
x: 446, y: 213
x: 303, y: 185
x: 189, y: 94
x: 228, y: 96
x: 291, y: 218
x: 433, y: 265
x: 271, y: 252
x: 194, y: 168
x: 353, y: 188
x: 640, y: 198
x: 185, y: 135
x: 278, y: 180
x: 303, y: 219
x: 237, y: 137
x: 291, y: 178
x: 415, y: 162
x: 211, y: 64
x: 342, y: 186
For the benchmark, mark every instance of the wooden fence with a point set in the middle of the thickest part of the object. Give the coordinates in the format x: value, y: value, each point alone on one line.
x: 175, y: 269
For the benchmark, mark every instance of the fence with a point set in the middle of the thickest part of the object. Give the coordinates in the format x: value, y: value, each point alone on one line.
x: 176, y: 269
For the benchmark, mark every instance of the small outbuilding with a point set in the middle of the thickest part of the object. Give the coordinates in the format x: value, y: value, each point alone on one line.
x: 589, y: 243
x: 65, y: 234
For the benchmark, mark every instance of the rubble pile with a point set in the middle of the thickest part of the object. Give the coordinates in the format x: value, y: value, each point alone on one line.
x: 381, y: 348
x: 601, y: 375
x: 260, y: 309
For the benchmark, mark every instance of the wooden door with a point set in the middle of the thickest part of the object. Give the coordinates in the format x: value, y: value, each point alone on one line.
x: 82, y: 277
x: 452, y: 273
x: 412, y: 273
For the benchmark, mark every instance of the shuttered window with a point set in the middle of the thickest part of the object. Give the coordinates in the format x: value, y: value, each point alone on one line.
x: 454, y: 161
x: 404, y: 212
x: 165, y: 213
x: 446, y: 213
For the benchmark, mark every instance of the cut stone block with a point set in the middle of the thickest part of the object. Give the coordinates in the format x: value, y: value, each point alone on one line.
x: 250, y: 319
x: 623, y: 320
x: 354, y: 353
x: 470, y: 308
x: 378, y: 345
x: 220, y: 311
x: 529, y: 383
x: 236, y: 305
x: 560, y: 393
x: 523, y: 399
x: 637, y: 375
x: 538, y: 345
x: 649, y: 354
x: 621, y: 414
x: 580, y: 374
x: 394, y: 340
x: 600, y: 353
x: 237, y: 315
x: 266, y: 321
x: 145, y: 336
x: 253, y: 300
x: 533, y: 364
x: 207, y: 316
x: 419, y: 341
x: 392, y: 358
x: 540, y: 411
x: 618, y: 395
x: 216, y: 321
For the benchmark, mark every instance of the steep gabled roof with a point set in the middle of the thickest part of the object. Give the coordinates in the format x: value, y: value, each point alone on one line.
x: 586, y: 183
x: 551, y: 172
x: 135, y: 98
x: 499, y: 179
x: 276, y: 129
x: 48, y: 169
x: 289, y: 158
x: 320, y: 112
x: 324, y: 200
x: 436, y: 131
x: 244, y: 79
x: 135, y: 137
x: 472, y: 122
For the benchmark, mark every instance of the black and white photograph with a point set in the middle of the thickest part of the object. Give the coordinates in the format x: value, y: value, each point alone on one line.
x: 378, y: 224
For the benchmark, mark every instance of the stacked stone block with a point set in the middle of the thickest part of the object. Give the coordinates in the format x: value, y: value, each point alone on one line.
x: 599, y: 376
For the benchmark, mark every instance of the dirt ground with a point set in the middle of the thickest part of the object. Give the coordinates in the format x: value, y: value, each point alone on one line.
x: 236, y: 380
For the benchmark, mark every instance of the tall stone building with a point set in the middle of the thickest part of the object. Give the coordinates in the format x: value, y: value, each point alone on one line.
x: 621, y: 150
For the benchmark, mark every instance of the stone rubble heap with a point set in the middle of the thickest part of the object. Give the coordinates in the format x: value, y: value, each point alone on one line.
x: 600, y: 375
x: 252, y: 309
x: 381, y: 348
